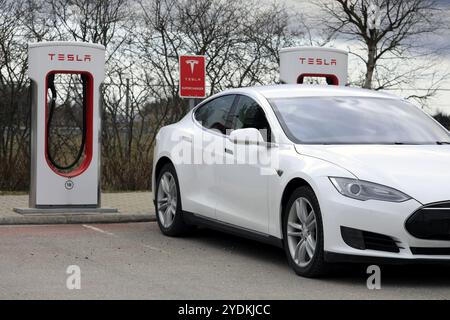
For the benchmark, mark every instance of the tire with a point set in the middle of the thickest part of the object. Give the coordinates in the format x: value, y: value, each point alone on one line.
x: 169, y: 213
x: 299, y: 254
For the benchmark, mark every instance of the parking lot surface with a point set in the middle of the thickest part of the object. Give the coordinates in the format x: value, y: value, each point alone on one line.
x: 135, y: 261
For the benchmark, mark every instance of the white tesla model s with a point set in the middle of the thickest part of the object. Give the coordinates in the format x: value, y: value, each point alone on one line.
x: 331, y: 174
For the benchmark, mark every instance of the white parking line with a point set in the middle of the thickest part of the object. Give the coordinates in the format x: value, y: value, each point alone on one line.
x: 155, y: 249
x: 114, y: 235
x: 99, y: 230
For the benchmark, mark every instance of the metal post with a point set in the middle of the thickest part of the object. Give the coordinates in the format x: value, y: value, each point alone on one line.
x: 191, y: 103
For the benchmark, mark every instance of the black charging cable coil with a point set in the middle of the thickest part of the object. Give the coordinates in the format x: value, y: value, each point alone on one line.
x: 52, y: 88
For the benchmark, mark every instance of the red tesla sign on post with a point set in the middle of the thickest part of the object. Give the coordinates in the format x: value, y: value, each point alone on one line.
x: 192, y: 77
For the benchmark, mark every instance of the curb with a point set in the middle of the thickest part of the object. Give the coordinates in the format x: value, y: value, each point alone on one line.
x: 76, y: 219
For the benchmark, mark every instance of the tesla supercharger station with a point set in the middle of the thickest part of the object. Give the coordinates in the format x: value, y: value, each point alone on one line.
x: 299, y: 64
x: 66, y: 80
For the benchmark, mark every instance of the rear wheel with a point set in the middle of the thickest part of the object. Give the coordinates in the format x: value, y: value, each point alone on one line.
x: 303, y: 233
x: 168, y: 203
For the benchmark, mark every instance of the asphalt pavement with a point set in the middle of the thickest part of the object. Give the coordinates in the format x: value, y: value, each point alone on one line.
x: 135, y: 261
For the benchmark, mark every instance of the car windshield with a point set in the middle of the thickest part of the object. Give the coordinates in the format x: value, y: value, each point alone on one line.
x: 356, y: 120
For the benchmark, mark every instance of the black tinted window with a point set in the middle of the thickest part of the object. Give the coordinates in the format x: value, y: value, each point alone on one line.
x: 214, y: 114
x: 248, y: 114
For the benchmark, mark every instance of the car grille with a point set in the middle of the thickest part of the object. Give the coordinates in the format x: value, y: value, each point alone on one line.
x: 431, y: 222
x: 363, y: 240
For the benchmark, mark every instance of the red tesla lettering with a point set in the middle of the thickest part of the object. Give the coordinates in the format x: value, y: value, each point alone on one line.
x: 70, y: 57
x: 318, y: 61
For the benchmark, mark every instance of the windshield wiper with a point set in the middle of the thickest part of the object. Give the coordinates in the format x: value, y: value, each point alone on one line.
x: 442, y: 142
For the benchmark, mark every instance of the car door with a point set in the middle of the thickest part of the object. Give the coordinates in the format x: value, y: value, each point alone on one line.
x: 242, y: 182
x: 211, y: 122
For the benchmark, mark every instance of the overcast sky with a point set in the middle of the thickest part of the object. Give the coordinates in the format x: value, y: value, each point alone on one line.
x: 441, y: 102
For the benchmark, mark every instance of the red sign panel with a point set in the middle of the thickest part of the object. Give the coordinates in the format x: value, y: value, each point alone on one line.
x: 192, y: 77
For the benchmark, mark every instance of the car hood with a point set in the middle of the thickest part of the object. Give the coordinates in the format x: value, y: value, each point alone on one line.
x: 421, y: 171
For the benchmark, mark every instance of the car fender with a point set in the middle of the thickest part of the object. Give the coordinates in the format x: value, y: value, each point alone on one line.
x: 295, y: 166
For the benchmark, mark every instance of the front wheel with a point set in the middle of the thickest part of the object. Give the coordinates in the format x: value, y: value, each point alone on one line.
x: 168, y: 203
x: 303, y: 233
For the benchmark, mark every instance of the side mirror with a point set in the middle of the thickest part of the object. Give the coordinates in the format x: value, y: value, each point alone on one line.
x: 247, y: 136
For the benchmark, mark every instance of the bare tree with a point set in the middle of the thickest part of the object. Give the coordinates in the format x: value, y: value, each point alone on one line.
x: 36, y: 21
x: 87, y: 20
x: 240, y: 40
x: 14, y: 111
x: 389, y: 34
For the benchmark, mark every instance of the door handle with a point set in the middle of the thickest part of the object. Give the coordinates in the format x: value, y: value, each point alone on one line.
x: 228, y: 151
x: 186, y: 138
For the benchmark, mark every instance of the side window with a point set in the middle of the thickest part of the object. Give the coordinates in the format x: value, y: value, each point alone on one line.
x: 248, y: 114
x: 214, y: 114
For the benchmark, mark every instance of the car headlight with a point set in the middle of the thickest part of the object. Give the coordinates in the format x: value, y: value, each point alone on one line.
x: 364, y: 190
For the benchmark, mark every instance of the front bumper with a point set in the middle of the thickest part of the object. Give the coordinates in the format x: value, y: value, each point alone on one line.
x: 348, y: 258
x: 379, y: 217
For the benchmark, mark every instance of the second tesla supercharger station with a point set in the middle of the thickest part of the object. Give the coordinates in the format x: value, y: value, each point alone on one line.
x: 74, y: 185
x: 300, y: 63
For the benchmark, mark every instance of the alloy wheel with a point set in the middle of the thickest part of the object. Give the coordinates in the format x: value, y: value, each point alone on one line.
x: 302, y: 231
x: 167, y: 199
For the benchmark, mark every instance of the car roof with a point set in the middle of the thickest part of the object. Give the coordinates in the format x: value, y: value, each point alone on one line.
x: 302, y: 90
